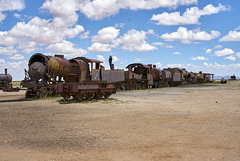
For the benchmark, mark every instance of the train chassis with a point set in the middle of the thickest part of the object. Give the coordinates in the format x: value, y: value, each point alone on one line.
x: 40, y: 91
x: 87, y: 90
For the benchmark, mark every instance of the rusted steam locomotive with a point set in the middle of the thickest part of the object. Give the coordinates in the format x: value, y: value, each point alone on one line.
x: 45, y: 72
x: 5, y: 83
x: 178, y: 76
x: 81, y: 77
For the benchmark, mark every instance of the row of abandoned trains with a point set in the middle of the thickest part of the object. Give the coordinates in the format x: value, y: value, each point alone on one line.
x: 83, y: 78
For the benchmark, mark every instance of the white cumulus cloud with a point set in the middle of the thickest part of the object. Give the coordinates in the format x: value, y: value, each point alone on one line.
x: 224, y: 52
x: 99, y: 47
x: 2, y: 61
x: 106, y: 35
x: 218, y: 47
x: 17, y: 57
x: 232, y: 58
x: 238, y: 55
x: 45, y: 32
x: 61, y: 7
x: 115, y: 59
x: 135, y: 40
x: 99, y: 9
x: 188, y: 36
x: 176, y: 53
x: 108, y: 38
x: 6, y: 39
x: 101, y: 58
x: 190, y: 16
x: 231, y: 36
x: 66, y: 48
x: 208, y: 51
x: 10, y: 5
x: 84, y: 35
x: 9, y: 50
x: 162, y: 45
x: 27, y: 47
x: 199, y: 58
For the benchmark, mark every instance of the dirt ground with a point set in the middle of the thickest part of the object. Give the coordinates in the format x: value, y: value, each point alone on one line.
x: 194, y: 123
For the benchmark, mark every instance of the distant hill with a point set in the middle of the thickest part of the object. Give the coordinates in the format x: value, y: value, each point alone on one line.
x: 225, y: 77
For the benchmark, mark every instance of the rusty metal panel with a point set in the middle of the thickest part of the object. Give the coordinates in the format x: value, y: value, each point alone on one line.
x: 87, y: 86
x: 126, y: 74
x: 167, y: 74
x: 130, y: 75
x: 59, y: 66
x: 84, y: 71
x: 199, y: 76
x: 95, y: 75
x: 36, y: 71
x: 136, y: 76
x: 74, y: 87
x: 150, y: 79
x: 177, y: 77
x: 176, y: 74
x: 59, y: 87
x: 113, y: 76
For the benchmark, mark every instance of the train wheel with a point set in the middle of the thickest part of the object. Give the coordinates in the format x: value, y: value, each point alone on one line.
x: 65, y: 97
x: 27, y: 94
x: 74, y: 97
x: 79, y: 97
x: 16, y: 89
x: 50, y: 92
x: 88, y: 96
x: 98, y: 95
x: 107, y: 95
x: 43, y: 92
x: 122, y: 87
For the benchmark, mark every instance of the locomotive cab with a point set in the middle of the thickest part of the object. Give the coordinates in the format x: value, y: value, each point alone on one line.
x: 84, y: 69
x: 139, y: 74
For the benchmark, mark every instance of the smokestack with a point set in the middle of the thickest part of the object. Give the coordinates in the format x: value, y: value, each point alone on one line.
x: 5, y: 70
x: 150, y: 65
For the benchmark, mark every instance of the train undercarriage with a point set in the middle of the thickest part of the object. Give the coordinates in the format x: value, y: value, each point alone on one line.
x: 85, y: 90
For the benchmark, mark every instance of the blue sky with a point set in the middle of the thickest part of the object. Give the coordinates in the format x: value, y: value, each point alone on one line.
x: 193, y: 34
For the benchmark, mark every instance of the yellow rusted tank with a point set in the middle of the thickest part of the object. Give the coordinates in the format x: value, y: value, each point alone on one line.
x: 199, y: 77
x: 47, y: 67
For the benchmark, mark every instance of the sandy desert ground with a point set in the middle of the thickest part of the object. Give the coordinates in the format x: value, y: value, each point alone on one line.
x: 197, y: 123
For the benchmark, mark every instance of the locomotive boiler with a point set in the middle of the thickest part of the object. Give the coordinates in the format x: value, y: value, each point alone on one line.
x: 43, y: 74
x: 5, y: 83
